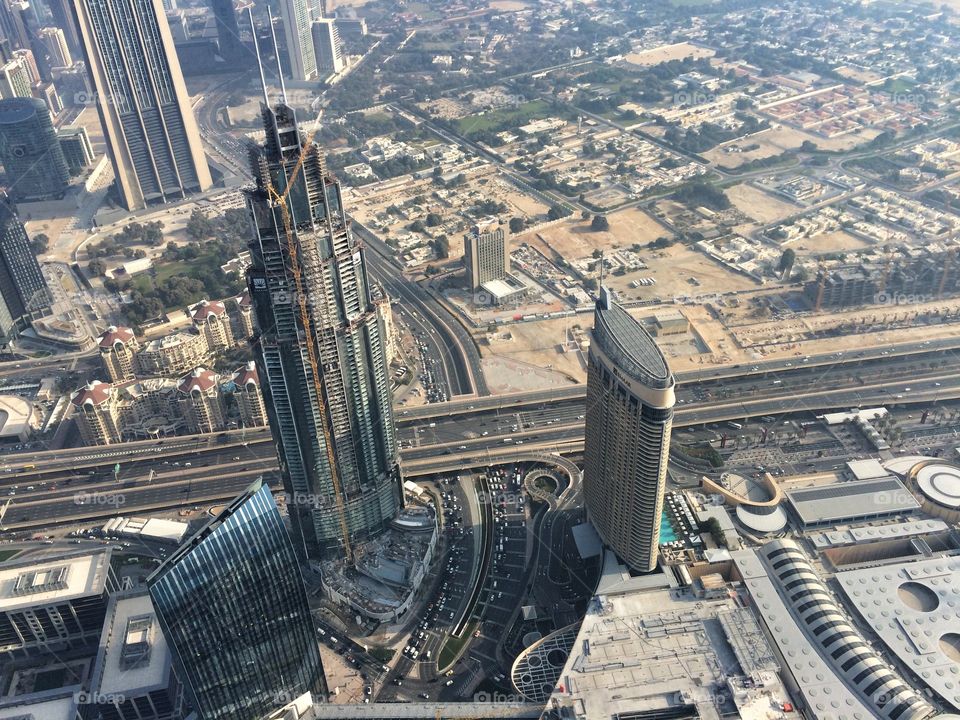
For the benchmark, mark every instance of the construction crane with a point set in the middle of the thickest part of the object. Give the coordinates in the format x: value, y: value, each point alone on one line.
x: 301, y: 301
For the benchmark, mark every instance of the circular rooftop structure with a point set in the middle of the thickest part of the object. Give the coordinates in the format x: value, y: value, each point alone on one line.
x: 19, y: 109
x: 940, y: 483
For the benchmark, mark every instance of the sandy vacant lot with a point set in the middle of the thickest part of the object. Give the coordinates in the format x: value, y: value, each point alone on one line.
x: 778, y: 139
x: 759, y: 205
x: 673, y: 270
x: 574, y: 239
x: 508, y: 5
x: 665, y: 53
x: 829, y: 242
x: 532, y: 357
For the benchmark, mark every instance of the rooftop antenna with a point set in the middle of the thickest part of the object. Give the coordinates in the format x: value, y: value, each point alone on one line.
x: 256, y: 50
x: 276, y: 51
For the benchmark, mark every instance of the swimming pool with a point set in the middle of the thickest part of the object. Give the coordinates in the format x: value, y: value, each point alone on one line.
x: 667, y: 533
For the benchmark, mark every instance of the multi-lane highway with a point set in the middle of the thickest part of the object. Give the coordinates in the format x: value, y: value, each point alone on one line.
x: 221, y: 464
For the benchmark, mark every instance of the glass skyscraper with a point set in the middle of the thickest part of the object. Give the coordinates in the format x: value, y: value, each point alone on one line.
x: 30, y: 151
x: 23, y: 289
x: 320, y: 348
x: 233, y: 608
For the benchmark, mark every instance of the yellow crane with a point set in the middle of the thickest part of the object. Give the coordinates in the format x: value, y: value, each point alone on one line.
x: 300, y: 296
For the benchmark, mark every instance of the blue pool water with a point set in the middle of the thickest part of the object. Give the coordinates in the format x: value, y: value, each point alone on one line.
x: 666, y: 530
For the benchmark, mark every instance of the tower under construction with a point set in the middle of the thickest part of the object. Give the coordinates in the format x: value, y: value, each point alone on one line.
x: 320, y: 347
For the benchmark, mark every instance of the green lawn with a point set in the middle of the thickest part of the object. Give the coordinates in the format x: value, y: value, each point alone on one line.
x: 515, y: 116
x: 451, y: 649
x: 7, y: 554
x: 144, y: 282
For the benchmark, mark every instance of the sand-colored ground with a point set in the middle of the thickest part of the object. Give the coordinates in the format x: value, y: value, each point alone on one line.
x: 508, y: 5
x: 665, y: 53
x: 574, y: 239
x: 759, y: 205
x: 673, y: 270
x: 863, y: 76
x: 828, y: 243
x: 778, y: 139
x: 532, y: 357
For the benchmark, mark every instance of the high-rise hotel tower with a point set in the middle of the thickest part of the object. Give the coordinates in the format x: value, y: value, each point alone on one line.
x: 630, y: 398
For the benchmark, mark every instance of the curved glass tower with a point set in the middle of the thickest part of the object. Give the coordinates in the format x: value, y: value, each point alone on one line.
x: 234, y: 610
x: 630, y: 398
x: 321, y: 347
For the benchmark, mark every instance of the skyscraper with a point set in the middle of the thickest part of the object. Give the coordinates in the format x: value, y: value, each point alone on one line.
x: 326, y: 46
x: 296, y: 16
x: 233, y: 608
x: 30, y: 151
x: 630, y: 398
x: 23, y: 289
x: 55, y: 42
x: 144, y: 107
x: 485, y: 253
x: 63, y: 18
x: 321, y: 347
x: 228, y: 33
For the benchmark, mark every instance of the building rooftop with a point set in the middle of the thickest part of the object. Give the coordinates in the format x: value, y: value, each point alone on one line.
x: 134, y: 656
x: 914, y: 608
x: 206, y: 308
x: 64, y: 708
x: 629, y: 345
x: 247, y: 375
x: 198, y: 380
x: 115, y: 336
x: 15, y: 416
x: 873, y: 533
x: 940, y: 483
x: 93, y: 393
x: 852, y: 500
x: 35, y: 581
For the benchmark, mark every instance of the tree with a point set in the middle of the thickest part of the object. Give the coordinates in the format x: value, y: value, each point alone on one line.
x: 433, y: 220
x: 199, y: 226
x: 585, y: 215
x: 516, y: 224
x: 590, y: 284
x: 441, y: 246
x: 555, y: 213
x: 786, y: 260
x: 40, y: 244
x: 596, y: 253
x: 599, y: 223
x: 97, y: 267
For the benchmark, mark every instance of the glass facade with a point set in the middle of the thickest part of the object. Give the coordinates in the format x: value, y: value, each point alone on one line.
x: 30, y: 152
x: 23, y: 289
x: 233, y: 607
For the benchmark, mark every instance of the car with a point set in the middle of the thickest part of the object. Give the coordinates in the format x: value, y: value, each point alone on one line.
x: 476, y: 634
x: 448, y: 683
x: 425, y: 696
